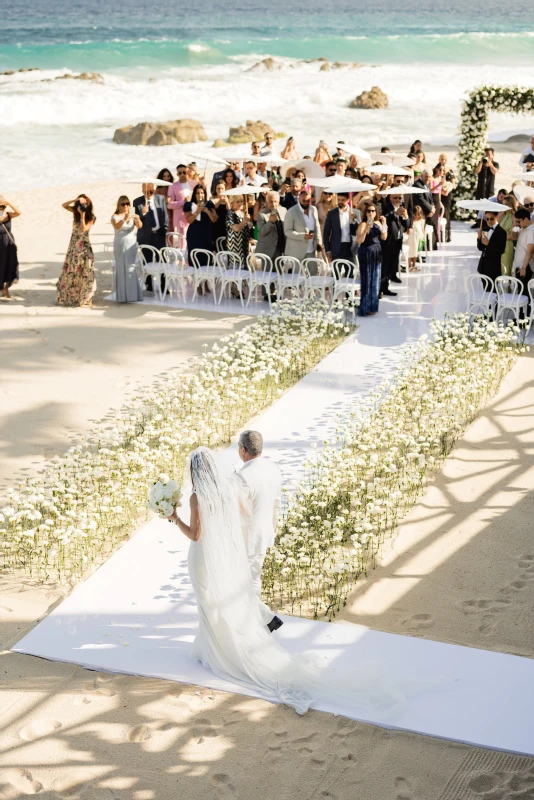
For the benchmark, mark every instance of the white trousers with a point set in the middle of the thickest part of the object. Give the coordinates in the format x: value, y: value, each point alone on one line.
x: 256, y: 565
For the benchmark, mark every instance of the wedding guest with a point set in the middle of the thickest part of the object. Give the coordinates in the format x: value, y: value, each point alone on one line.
x: 339, y: 229
x: 290, y: 199
x: 492, y: 243
x: 341, y: 166
x: 486, y: 169
x: 370, y: 232
x: 419, y: 164
x: 446, y: 192
x: 322, y: 156
x: 426, y: 201
x: 200, y: 216
x: 506, y: 221
x: 192, y: 174
x: 255, y: 149
x: 238, y: 229
x: 329, y: 169
x: 222, y: 205
x: 326, y: 203
x: 9, y: 263
x: 267, y: 148
x: 416, y: 146
x: 151, y: 209
x: 416, y: 237
x: 125, y: 224
x: 302, y: 229
x: 523, y: 266
x: 179, y: 193
x: 527, y: 156
x: 436, y: 185
x: 289, y: 152
x: 398, y: 223
x: 271, y: 236
x: 252, y: 178
x: 164, y: 175
x: 76, y: 285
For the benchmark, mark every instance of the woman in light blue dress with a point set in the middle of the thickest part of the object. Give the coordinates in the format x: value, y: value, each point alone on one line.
x: 125, y: 222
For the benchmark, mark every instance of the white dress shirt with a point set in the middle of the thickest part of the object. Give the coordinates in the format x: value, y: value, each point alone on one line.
x: 309, y: 221
x: 524, y: 239
x: 344, y: 221
x: 257, y: 181
x: 489, y: 232
x: 528, y: 151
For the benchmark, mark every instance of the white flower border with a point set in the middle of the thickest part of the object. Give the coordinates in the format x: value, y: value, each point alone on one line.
x: 91, y: 499
x: 474, y: 129
x: 371, y: 474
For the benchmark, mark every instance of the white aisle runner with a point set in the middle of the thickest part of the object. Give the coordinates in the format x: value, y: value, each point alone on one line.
x: 136, y: 614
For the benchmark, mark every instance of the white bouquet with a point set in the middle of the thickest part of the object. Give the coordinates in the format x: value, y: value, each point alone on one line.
x: 164, y: 496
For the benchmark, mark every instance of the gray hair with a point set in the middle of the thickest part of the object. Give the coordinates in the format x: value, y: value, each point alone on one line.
x: 252, y: 442
x: 273, y: 193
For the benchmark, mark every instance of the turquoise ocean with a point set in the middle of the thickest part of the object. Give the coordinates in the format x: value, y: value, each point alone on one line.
x: 170, y: 61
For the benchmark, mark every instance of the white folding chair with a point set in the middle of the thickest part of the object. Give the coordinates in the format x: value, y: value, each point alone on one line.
x: 261, y: 274
x: 176, y: 240
x: 177, y: 273
x: 220, y: 244
x: 231, y: 270
x: 109, y: 252
x: 290, y: 276
x: 151, y: 264
x: 530, y: 286
x: 345, y: 287
x: 319, y: 278
x: 481, y: 298
x: 404, y: 262
x: 442, y: 229
x: 510, y: 297
x: 209, y: 271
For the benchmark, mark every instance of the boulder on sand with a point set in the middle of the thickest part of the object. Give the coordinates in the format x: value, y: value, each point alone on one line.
x: 375, y: 98
x: 158, y: 134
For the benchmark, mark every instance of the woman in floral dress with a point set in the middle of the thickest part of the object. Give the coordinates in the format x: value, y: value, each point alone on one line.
x: 76, y: 284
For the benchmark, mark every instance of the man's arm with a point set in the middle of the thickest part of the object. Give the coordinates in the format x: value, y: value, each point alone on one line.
x: 526, y: 260
x: 288, y: 229
x: 328, y: 234
x: 318, y: 232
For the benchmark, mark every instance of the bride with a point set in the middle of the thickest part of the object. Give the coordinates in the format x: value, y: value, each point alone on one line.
x: 233, y: 640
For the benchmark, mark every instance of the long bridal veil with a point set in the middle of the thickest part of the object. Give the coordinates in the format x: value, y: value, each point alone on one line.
x: 240, y: 647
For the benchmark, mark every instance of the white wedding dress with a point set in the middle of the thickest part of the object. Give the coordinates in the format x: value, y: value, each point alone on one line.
x: 233, y: 640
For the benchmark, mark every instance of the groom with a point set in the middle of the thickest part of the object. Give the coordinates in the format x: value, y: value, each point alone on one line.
x: 263, y: 482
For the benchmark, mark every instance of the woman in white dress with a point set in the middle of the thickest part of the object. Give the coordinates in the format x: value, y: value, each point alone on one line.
x: 125, y: 222
x: 415, y: 237
x: 233, y: 640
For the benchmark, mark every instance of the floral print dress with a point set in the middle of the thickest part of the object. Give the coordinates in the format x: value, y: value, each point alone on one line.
x: 76, y: 285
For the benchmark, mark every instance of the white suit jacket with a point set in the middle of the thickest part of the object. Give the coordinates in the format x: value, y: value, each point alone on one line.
x: 262, y: 483
x: 295, y: 228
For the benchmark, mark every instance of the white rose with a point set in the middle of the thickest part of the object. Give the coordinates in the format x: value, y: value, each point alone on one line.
x: 157, y: 492
x: 166, y: 509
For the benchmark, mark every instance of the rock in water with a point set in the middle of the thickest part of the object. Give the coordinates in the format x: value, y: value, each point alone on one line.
x: 250, y: 132
x: 158, y: 134
x: 375, y: 98
x: 267, y: 64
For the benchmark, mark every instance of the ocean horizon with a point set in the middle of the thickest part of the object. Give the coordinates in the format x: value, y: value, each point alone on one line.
x: 165, y: 64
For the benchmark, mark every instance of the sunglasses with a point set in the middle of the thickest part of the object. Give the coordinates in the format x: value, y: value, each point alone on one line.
x: 529, y: 205
x: 125, y: 204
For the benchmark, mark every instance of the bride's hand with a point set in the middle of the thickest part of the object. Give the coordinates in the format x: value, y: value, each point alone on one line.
x: 173, y: 517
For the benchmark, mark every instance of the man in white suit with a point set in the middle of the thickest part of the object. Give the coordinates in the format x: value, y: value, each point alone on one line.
x: 262, y: 483
x: 302, y: 229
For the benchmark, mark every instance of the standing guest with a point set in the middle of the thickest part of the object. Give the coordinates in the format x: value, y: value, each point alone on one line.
x: 419, y: 163
x: 76, y: 285
x: 326, y: 203
x: 125, y: 224
x: 322, y: 156
x: 222, y: 204
x: 523, y: 266
x: 230, y: 178
x: 252, y: 178
x: 192, y: 174
x: 492, y: 243
x: 201, y: 217
x: 341, y: 166
x: 151, y: 209
x: 271, y: 236
x: 291, y: 198
x: 416, y: 237
x: 330, y: 169
x: 426, y: 201
x: 164, y: 175
x: 267, y: 148
x: 179, y: 193
x: 506, y: 221
x: 527, y: 156
x: 239, y: 226
x: 447, y: 189
x: 302, y: 229
x: 486, y: 169
x: 436, y: 185
x: 340, y: 152
x: 370, y: 232
x: 417, y: 145
x: 398, y: 223
x: 262, y: 171
x: 9, y: 263
x: 255, y: 149
x: 289, y: 152
x: 339, y: 229
x: 528, y: 203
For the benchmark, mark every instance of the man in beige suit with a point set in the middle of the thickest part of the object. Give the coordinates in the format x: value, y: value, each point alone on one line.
x: 302, y: 229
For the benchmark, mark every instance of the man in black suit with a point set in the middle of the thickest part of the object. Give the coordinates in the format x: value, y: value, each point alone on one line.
x: 152, y: 211
x: 492, y: 243
x: 398, y: 223
x: 291, y: 198
x: 339, y: 228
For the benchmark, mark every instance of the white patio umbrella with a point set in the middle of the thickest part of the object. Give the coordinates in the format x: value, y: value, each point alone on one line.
x: 247, y: 189
x: 350, y: 185
x: 311, y: 168
x: 331, y: 182
x: 521, y: 190
x: 404, y: 189
x: 482, y: 205
x: 207, y: 158
x: 355, y: 150
x: 270, y: 160
x: 146, y: 179
x: 386, y: 169
x: 403, y: 162
x: 524, y: 176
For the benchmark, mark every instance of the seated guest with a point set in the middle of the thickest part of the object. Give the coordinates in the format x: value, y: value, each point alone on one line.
x: 200, y: 216
x: 179, y: 193
x: 289, y: 151
x: 492, y: 243
x: 523, y: 266
x: 398, y: 223
x: 302, y: 229
x: 151, y: 209
x: 291, y: 198
x: 271, y: 237
x: 222, y: 204
x: 340, y: 227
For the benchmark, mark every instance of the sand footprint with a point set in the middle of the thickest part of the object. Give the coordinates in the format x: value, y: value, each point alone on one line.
x: 39, y: 728
x: 487, y: 624
x: 66, y: 349
x: 403, y: 788
x: 139, y: 734
x: 224, y: 786
x: 22, y: 781
x: 5, y: 610
x: 418, y: 621
x: 482, y: 783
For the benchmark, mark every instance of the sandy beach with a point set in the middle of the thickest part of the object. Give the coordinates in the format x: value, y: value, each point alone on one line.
x: 460, y: 569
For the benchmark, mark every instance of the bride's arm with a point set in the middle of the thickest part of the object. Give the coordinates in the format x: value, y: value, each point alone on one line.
x: 192, y: 531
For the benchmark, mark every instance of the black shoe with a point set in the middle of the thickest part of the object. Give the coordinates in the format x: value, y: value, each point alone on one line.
x: 274, y: 624
x: 395, y: 279
x: 389, y: 293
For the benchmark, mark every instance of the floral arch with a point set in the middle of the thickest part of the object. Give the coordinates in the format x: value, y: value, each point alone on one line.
x: 474, y: 128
